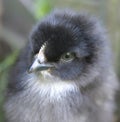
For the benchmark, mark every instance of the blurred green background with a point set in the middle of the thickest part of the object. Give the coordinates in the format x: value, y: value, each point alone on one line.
x: 18, y: 16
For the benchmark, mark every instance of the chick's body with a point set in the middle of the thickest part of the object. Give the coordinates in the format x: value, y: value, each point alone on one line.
x: 71, y: 77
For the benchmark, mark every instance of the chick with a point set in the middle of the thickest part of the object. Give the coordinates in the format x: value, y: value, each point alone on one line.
x: 64, y: 74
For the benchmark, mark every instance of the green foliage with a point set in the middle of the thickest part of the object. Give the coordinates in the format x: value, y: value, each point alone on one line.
x: 8, y: 62
x: 42, y: 7
x: 4, y: 68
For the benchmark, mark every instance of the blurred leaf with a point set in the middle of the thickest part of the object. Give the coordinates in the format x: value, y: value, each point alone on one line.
x: 8, y: 61
x: 42, y: 7
x: 4, y: 68
x: 3, y: 83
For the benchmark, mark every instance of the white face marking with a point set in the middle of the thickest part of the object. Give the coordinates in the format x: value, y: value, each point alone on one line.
x: 41, y: 55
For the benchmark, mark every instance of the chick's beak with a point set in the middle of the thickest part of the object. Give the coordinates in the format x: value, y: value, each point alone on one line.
x: 39, y: 63
x: 36, y: 66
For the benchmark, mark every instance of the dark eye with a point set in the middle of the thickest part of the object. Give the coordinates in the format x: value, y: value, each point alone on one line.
x: 67, y: 57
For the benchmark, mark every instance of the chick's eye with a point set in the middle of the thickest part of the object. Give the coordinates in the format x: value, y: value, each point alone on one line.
x: 67, y: 57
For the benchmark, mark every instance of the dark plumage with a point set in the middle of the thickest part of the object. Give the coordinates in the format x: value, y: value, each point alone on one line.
x: 70, y: 77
